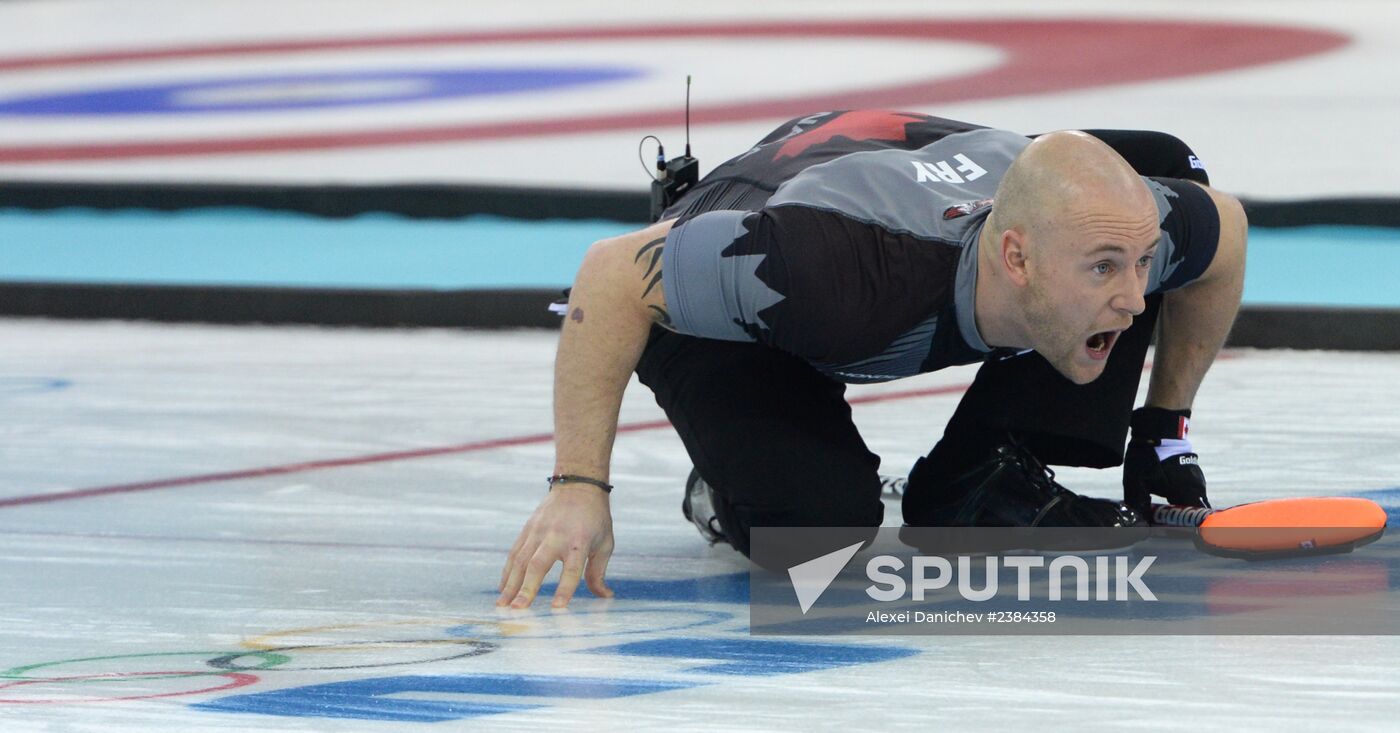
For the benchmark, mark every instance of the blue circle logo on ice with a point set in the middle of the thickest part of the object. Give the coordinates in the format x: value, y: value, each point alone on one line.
x: 313, y: 90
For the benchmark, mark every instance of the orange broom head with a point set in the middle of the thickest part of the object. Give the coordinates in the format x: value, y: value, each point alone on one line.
x: 1294, y: 524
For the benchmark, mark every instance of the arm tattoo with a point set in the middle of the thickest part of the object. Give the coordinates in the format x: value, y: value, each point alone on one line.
x: 655, y: 247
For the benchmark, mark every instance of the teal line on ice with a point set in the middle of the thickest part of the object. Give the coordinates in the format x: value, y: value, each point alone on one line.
x: 252, y: 247
x: 1328, y: 266
x: 1324, y: 265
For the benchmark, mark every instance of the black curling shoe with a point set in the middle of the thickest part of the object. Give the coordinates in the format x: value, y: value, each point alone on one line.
x: 699, y: 507
x: 1014, y: 489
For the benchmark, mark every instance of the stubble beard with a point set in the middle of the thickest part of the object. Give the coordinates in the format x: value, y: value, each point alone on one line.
x: 1052, y: 339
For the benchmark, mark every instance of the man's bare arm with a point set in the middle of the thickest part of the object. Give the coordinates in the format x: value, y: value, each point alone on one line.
x: 1196, y: 318
x: 616, y: 297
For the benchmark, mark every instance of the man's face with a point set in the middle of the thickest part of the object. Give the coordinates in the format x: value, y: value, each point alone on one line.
x: 1084, y: 286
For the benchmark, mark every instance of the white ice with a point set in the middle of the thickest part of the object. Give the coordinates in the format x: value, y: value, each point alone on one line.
x: 368, y: 565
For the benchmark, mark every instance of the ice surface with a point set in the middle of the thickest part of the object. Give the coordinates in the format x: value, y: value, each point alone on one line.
x: 345, y: 562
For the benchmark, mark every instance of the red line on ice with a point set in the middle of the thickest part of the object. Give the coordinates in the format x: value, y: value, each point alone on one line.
x: 304, y: 467
x: 208, y: 478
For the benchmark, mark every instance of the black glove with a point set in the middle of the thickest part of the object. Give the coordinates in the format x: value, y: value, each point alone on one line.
x: 1160, y: 461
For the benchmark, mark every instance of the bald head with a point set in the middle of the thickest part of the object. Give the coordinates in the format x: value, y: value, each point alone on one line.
x: 1065, y: 181
x: 1064, y: 261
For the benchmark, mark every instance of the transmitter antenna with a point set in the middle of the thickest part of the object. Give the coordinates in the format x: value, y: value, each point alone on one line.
x: 677, y: 175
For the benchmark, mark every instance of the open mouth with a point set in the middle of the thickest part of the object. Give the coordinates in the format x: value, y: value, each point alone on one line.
x: 1100, y: 344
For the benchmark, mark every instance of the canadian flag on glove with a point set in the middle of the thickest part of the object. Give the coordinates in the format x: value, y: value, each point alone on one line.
x: 1160, y: 461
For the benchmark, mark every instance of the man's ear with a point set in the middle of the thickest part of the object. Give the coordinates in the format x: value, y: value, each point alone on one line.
x: 1013, y: 256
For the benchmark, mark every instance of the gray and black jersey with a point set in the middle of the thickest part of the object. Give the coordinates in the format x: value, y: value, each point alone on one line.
x: 854, y: 247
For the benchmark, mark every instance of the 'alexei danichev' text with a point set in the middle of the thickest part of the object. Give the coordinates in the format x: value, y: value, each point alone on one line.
x: 935, y: 573
x: 959, y: 617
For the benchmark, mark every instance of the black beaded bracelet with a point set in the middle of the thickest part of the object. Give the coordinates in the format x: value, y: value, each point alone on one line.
x: 561, y: 478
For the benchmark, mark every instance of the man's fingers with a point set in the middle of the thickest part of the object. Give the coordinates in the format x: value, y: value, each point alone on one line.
x: 568, y: 579
x: 512, y: 573
x: 516, y: 567
x: 510, y: 560
x: 597, y: 569
x: 538, y: 567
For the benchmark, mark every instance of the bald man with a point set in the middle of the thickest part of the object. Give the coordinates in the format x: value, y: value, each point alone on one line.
x: 865, y: 246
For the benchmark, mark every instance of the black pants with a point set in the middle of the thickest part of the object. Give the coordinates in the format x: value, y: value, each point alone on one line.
x: 775, y: 438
